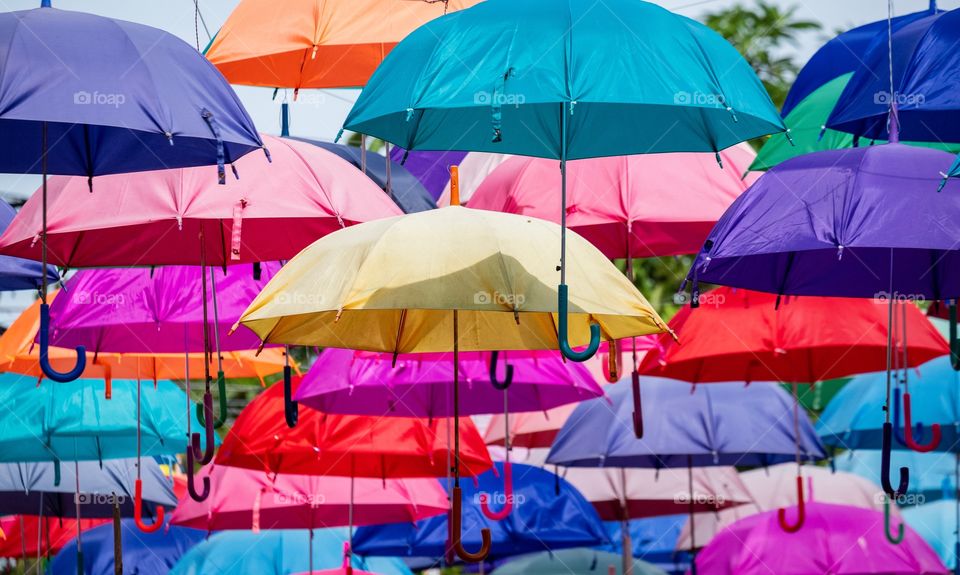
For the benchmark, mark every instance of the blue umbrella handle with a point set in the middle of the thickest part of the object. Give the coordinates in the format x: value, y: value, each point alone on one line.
x: 56, y: 473
x: 895, y: 540
x: 908, y: 430
x: 204, y: 454
x: 508, y: 376
x: 456, y: 525
x: 222, y: 401
x: 138, y: 511
x: 291, y: 409
x: 885, y: 467
x: 637, y: 406
x: 954, y: 340
x: 565, y: 349
x: 48, y: 370
x: 897, y: 433
x: 507, y: 494
x: 198, y: 497
x: 79, y: 562
x: 956, y: 558
x: 801, y: 511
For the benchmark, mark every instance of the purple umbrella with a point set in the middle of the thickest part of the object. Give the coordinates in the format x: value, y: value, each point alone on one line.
x: 86, y: 95
x: 862, y: 222
x: 431, y: 168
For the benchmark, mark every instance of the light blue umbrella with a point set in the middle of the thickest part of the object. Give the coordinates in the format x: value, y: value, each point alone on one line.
x: 566, y: 79
x: 931, y: 475
x: 572, y: 562
x: 277, y: 552
x: 937, y: 523
x: 653, y: 539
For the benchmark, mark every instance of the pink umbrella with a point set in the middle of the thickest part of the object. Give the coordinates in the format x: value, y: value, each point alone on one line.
x: 251, y: 499
x: 773, y: 487
x: 531, y: 430
x: 628, y: 206
x: 366, y: 383
x: 155, y: 218
x: 837, y: 539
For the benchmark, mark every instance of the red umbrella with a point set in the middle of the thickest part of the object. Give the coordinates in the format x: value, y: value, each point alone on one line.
x: 23, y: 536
x: 738, y: 334
x: 347, y: 445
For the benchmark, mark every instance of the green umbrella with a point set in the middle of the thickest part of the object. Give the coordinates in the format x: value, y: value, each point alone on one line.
x: 816, y: 396
x: 805, y: 123
x: 579, y: 561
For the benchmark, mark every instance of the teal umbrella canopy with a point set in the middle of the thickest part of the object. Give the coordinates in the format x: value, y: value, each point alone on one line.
x: 74, y: 422
x: 573, y: 562
x: 622, y: 76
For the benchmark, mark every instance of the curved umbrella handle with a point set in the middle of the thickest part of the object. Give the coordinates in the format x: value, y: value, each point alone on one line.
x: 908, y: 430
x: 204, y: 454
x: 138, y: 511
x: 614, y: 362
x: 895, y: 540
x: 954, y: 340
x: 48, y: 370
x: 801, y: 511
x: 508, y: 376
x: 637, y: 406
x: 885, y: 467
x: 222, y: 399
x: 565, y: 349
x: 507, y: 494
x: 198, y: 497
x: 456, y: 519
x: 291, y: 409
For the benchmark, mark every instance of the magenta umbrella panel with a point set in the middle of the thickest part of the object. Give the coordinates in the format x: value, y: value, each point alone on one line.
x: 421, y: 385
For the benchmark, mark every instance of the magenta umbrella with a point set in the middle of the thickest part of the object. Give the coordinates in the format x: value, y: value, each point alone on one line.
x: 419, y: 385
x: 252, y: 499
x: 836, y: 539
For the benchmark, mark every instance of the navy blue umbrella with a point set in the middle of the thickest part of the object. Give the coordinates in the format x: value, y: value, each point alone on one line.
x: 542, y: 520
x: 18, y: 273
x: 84, y: 95
x: 143, y: 553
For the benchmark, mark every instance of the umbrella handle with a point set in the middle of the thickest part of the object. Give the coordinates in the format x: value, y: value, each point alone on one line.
x: 801, y: 511
x: 48, y: 370
x: 198, y: 497
x: 507, y: 494
x: 204, y: 454
x: 456, y: 524
x: 222, y: 399
x: 508, y: 376
x: 908, y: 430
x: 637, y: 406
x: 895, y: 540
x: 80, y: 567
x: 138, y: 510
x: 565, y: 349
x: 885, y: 466
x: 291, y: 409
x: 954, y: 340
x: 614, y: 361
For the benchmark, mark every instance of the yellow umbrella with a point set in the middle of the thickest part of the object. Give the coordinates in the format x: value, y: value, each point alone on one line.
x: 449, y: 278
x: 19, y: 354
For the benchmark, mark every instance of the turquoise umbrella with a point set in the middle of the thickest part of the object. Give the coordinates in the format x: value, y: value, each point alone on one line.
x: 564, y: 79
x: 573, y: 562
x: 277, y: 552
x: 931, y: 475
x: 937, y: 523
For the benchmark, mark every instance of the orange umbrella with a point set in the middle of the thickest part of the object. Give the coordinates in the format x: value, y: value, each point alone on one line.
x: 316, y: 43
x: 18, y: 354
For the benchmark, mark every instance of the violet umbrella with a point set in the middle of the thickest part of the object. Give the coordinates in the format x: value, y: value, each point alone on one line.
x: 87, y: 96
x: 839, y: 539
x: 862, y: 222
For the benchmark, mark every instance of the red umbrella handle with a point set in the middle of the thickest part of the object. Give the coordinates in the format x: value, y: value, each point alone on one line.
x: 567, y: 351
x: 138, y: 511
x: 201, y: 496
x: 637, y: 406
x: 801, y: 511
x: 456, y: 525
x: 614, y: 361
x: 908, y: 430
x: 48, y: 370
x: 508, y: 497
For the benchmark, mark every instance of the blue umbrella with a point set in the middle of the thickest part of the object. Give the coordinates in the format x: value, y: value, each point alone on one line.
x: 653, y: 539
x: 541, y: 520
x: 582, y: 81
x: 853, y: 418
x: 572, y: 562
x: 937, y: 523
x: 143, y: 553
x: 843, y: 55
x: 932, y: 477
x: 86, y: 95
x: 18, y: 273
x: 277, y: 552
